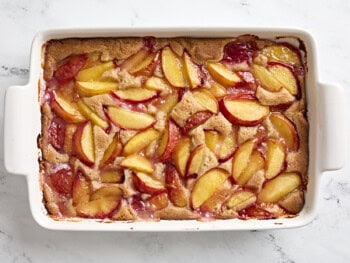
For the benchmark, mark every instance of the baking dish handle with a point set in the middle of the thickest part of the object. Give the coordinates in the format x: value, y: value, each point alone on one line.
x: 16, y: 124
x: 332, y: 126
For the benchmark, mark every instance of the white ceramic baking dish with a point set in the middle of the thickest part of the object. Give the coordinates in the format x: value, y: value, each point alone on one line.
x: 325, y: 114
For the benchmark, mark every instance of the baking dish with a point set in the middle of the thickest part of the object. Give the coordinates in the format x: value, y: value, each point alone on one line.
x: 325, y: 114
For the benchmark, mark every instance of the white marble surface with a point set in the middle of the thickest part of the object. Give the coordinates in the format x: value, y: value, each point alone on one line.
x: 324, y: 240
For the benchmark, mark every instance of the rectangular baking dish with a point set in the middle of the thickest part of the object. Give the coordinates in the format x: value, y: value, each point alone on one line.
x: 325, y: 105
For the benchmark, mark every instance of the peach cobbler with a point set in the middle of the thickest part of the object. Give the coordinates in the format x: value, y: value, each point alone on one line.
x: 173, y: 128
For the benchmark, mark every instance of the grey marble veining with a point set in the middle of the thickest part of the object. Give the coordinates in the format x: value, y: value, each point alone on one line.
x: 326, y: 239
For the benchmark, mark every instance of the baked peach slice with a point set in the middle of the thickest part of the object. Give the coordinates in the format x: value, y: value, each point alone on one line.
x: 228, y: 147
x: 195, y: 160
x: 113, y: 150
x: 222, y: 74
x: 88, y: 113
x: 207, y: 100
x: 169, y: 103
x: 241, y: 158
x: 241, y: 200
x: 243, y: 110
x: 80, y: 189
x: 177, y: 194
x: 135, y: 94
x: 182, y: 154
x: 275, y: 158
x: 191, y: 70
x: 282, y: 52
x: 147, y: 184
x: 275, y: 77
x: 207, y: 185
x: 147, y: 65
x: 275, y: 189
x: 217, y: 90
x: 158, y: 201
x: 137, y: 163
x: 195, y: 120
x: 134, y: 61
x: 95, y: 72
x: 213, y: 140
x: 286, y: 130
x: 266, y: 78
x: 66, y: 110
x: 92, y: 88
x: 100, y: 204
x: 83, y: 141
x: 112, y: 176
x: 128, y: 119
x: 140, y: 141
x: 157, y: 84
x: 285, y: 76
x: 168, y: 141
x: 256, y: 163
x: 172, y: 68
x: 103, y: 203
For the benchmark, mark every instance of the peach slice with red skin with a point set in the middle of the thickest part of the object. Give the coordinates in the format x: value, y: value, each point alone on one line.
x: 192, y: 71
x: 207, y: 185
x: 275, y: 189
x: 135, y: 94
x: 195, y: 160
x: 182, y: 155
x: 147, y: 184
x: 172, y: 68
x: 128, y: 119
x: 275, y: 158
x: 195, y: 120
x: 168, y: 141
x: 177, y: 194
x: 138, y: 163
x: 243, y: 109
x: 112, y: 151
x: 83, y: 140
x: 140, y: 141
x: 223, y: 74
x: 66, y: 110
x: 286, y: 130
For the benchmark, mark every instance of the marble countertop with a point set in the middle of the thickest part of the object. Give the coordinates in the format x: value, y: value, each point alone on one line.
x: 325, y: 239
